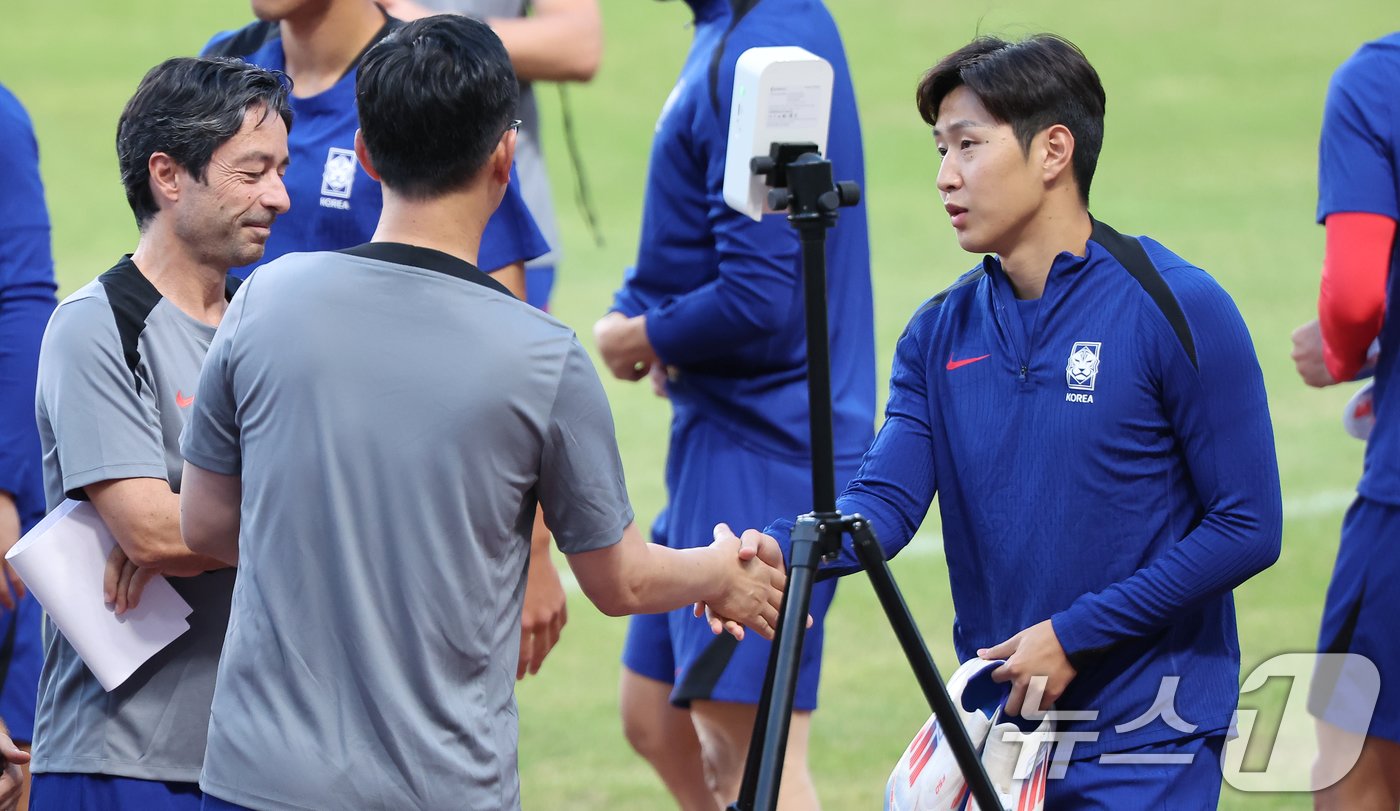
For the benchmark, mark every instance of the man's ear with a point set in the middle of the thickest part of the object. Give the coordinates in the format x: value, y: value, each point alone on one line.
x: 1059, y: 154
x: 166, y: 176
x: 362, y: 155
x: 502, y: 158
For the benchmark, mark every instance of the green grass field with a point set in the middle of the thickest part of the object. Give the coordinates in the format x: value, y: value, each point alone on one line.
x: 1211, y: 147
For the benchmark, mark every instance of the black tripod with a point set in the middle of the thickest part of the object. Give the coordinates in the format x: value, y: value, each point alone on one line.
x: 801, y: 182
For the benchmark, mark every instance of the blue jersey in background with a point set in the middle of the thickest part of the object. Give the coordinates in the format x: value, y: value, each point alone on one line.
x: 722, y: 293
x: 335, y: 204
x: 26, y: 301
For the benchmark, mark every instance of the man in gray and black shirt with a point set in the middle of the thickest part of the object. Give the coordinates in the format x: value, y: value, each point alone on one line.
x: 202, y: 147
x: 372, y: 433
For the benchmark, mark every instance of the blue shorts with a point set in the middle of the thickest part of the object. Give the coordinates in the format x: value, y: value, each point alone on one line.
x: 711, y: 477
x: 20, y: 689
x: 62, y: 791
x: 1357, y: 619
x: 1123, y: 780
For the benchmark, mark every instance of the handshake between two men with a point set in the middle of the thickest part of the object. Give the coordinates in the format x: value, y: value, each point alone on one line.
x: 759, y: 555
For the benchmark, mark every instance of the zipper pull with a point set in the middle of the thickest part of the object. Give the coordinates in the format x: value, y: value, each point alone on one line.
x: 1023, y: 374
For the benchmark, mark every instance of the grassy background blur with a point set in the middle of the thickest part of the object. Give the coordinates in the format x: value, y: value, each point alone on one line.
x: 1212, y: 128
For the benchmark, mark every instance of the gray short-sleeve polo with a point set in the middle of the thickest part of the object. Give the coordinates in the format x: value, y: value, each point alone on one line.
x: 117, y: 374
x: 394, y: 415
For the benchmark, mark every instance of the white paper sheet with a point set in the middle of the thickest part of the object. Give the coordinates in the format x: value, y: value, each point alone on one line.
x: 62, y: 560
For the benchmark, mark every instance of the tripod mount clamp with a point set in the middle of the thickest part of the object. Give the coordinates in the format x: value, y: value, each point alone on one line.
x: 800, y: 182
x: 826, y: 530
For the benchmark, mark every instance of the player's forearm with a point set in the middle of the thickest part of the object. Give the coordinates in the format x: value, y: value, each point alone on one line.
x: 1351, y: 304
x: 146, y: 524
x: 665, y: 579
x: 210, y: 513
x: 1223, y: 552
x: 562, y: 41
x: 726, y: 318
x: 636, y: 577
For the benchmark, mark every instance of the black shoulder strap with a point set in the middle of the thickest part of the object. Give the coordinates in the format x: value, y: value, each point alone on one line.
x: 132, y: 297
x: 1132, y: 256
x: 741, y: 7
x: 246, y: 40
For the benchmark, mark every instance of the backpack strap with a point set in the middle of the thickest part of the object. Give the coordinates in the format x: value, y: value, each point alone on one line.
x: 1133, y: 257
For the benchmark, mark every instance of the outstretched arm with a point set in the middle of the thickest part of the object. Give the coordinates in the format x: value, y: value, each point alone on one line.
x: 561, y: 40
x: 636, y: 577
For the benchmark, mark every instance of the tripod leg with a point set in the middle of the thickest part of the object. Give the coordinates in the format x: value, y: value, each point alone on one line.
x: 764, y: 768
x: 872, y: 557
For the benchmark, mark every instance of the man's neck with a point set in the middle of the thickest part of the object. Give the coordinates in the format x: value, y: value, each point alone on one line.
x: 320, y: 46
x: 1054, y: 230
x: 451, y: 223
x: 188, y: 281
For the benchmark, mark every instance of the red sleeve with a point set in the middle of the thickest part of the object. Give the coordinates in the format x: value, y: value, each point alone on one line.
x: 1352, y: 302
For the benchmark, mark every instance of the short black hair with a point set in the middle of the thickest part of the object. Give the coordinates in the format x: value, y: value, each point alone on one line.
x: 1033, y: 84
x: 434, y: 98
x: 188, y: 107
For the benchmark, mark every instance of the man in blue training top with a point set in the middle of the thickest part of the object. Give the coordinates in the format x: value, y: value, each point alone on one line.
x: 319, y: 44
x: 336, y: 204
x: 1359, y: 202
x: 26, y: 302
x: 712, y: 312
x: 1089, y: 409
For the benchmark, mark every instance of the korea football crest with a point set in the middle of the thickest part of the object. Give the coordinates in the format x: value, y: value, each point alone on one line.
x: 1082, y: 371
x: 338, y: 178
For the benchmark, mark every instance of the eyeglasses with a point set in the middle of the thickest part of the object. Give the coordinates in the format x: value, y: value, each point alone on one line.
x: 513, y: 126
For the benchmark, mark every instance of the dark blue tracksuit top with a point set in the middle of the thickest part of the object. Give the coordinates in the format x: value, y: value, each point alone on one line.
x: 1091, y: 472
x: 723, y: 294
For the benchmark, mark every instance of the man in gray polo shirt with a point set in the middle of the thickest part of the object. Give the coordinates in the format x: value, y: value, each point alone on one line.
x: 372, y: 432
x: 202, y: 145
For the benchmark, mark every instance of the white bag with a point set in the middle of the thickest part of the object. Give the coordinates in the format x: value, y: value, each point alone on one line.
x: 1017, y: 760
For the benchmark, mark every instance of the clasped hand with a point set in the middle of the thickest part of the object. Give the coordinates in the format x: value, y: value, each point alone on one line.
x: 753, y: 595
x: 123, y: 581
x: 752, y: 547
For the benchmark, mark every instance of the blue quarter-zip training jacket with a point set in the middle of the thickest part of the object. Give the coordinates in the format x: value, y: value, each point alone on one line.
x: 1112, y: 470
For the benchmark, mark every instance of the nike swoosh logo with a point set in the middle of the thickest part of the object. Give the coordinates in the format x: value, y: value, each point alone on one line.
x: 958, y: 364
x: 182, y: 401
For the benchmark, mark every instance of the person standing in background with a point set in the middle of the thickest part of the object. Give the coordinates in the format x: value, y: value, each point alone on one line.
x: 26, y: 301
x: 202, y: 146
x: 1359, y: 203
x: 712, y: 313
x: 548, y: 41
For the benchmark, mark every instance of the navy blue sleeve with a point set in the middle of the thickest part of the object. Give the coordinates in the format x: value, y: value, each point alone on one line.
x: 1220, y: 417
x: 896, y: 482
x: 511, y: 234
x: 26, y: 302
x: 758, y: 275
